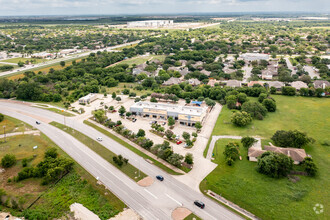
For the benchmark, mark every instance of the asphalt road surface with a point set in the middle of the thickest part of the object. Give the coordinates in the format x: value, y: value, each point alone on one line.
x: 154, y: 202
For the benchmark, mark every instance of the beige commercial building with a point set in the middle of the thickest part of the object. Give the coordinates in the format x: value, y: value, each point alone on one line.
x: 185, y: 115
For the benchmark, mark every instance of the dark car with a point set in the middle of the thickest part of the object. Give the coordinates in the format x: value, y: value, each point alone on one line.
x: 38, y: 122
x: 199, y: 204
x: 160, y: 178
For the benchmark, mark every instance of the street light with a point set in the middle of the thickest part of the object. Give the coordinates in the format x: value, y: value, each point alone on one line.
x: 4, y: 132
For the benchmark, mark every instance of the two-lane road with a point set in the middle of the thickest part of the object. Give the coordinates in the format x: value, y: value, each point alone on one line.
x: 154, y: 202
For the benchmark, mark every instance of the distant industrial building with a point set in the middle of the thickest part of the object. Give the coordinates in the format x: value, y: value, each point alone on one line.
x: 185, y: 115
x: 150, y: 23
x: 88, y: 98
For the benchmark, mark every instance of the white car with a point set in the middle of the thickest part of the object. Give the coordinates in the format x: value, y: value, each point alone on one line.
x: 99, y: 138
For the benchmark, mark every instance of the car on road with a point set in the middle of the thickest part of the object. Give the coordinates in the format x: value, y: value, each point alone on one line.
x: 99, y: 138
x: 178, y: 142
x: 38, y: 122
x: 160, y: 178
x: 199, y: 204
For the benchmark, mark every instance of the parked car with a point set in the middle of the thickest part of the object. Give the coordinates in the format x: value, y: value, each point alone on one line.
x: 114, y: 111
x: 199, y: 204
x: 160, y: 178
x: 178, y: 142
x: 134, y: 120
x: 99, y: 138
x: 164, y: 123
x: 38, y: 122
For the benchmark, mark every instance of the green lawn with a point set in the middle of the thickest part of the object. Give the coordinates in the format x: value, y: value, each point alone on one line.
x: 13, y: 125
x: 16, y: 60
x: 106, y: 154
x: 130, y: 147
x: 266, y: 197
x: 58, y: 111
x: 140, y: 60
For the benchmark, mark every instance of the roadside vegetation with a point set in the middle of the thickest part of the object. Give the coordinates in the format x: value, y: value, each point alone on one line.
x: 105, y: 153
x: 32, y: 197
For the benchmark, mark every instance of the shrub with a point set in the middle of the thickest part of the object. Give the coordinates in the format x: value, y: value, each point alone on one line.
x: 189, y: 159
x: 231, y: 153
x: 8, y: 160
x: 262, y: 97
x: 269, y: 104
x: 288, y: 90
x: 2, y: 117
x: 241, y: 119
x: 247, y: 142
x: 309, y: 166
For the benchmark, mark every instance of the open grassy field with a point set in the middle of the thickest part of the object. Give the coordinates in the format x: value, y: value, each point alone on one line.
x: 192, y: 216
x: 59, y: 111
x: 17, y: 59
x: 129, y: 86
x: 128, y: 169
x: 140, y: 59
x: 78, y: 186
x: 13, y: 125
x: 266, y: 197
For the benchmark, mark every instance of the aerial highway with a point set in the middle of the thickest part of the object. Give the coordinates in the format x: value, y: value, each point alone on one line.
x: 74, y: 56
x: 154, y: 202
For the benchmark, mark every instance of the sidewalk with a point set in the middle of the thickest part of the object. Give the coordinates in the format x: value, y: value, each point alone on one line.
x: 37, y: 132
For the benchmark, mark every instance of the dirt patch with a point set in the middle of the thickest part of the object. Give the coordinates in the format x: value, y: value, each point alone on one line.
x: 82, y: 213
x: 3, y: 215
x: 147, y: 181
x: 127, y: 214
x: 180, y: 213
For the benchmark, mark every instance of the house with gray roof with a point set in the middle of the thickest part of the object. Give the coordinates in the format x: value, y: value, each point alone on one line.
x: 299, y: 85
x: 172, y: 81
x: 233, y: 83
x: 276, y: 84
x: 194, y: 82
x: 321, y: 84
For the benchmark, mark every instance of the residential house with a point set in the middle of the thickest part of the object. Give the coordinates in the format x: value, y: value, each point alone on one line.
x: 194, y: 82
x: 205, y: 72
x: 212, y: 82
x: 174, y: 68
x: 321, y: 84
x: 184, y: 71
x: 88, y: 98
x: 297, y: 154
x: 198, y: 64
x: 172, y: 81
x: 233, y: 83
x: 136, y: 71
x: 299, y: 85
x: 252, y: 83
x: 276, y: 84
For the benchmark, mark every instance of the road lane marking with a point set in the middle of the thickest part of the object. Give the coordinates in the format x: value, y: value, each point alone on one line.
x: 151, y: 193
x: 173, y: 199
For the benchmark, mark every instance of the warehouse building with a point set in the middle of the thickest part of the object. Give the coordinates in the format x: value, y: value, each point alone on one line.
x: 150, y: 23
x: 185, y: 115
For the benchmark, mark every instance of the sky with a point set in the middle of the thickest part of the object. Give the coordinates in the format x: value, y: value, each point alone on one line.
x: 114, y: 7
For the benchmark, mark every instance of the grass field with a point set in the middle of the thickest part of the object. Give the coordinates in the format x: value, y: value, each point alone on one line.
x: 140, y: 60
x: 129, y: 86
x: 16, y: 60
x: 106, y: 154
x: 137, y: 151
x: 13, y: 125
x: 266, y: 197
x: 78, y: 186
x: 58, y: 111
x: 192, y: 216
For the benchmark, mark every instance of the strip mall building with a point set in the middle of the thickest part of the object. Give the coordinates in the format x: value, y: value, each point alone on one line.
x: 185, y: 115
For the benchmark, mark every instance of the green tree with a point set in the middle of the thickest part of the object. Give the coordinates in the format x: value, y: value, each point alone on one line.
x: 175, y: 159
x: 118, y: 99
x: 2, y: 117
x: 288, y: 90
x: 255, y: 109
x: 269, y: 104
x: 209, y: 102
x: 51, y: 152
x: 62, y: 63
x: 20, y: 63
x: 231, y: 152
x: 198, y: 126
x: 241, y: 97
x: 100, y: 115
x: 247, y: 142
x: 141, y: 133
x: 293, y: 139
x: 169, y: 134
x: 189, y: 159
x: 241, y: 119
x: 8, y: 160
x: 122, y: 110
x: 309, y: 166
x: 274, y: 164
x: 114, y: 95
x: 186, y: 135
x: 262, y: 97
x: 170, y: 121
